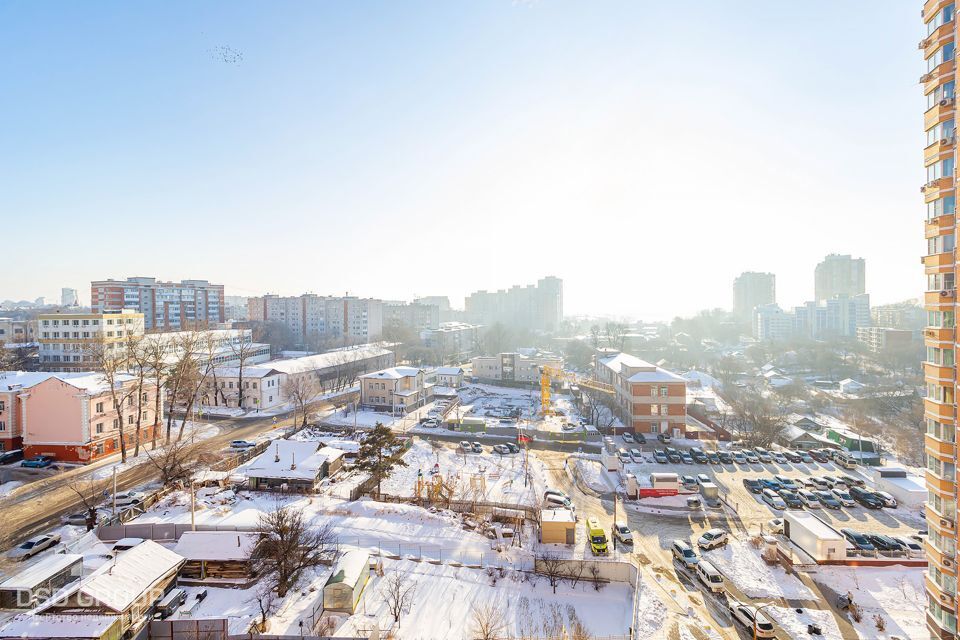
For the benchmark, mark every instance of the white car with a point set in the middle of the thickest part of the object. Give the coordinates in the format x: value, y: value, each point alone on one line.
x: 712, y: 539
x: 772, y: 499
x: 843, y: 497
x: 755, y: 621
x: 33, y: 546
x: 128, y: 498
x: 622, y: 532
x: 465, y: 446
x: 888, y: 500
x: 241, y: 445
x: 775, y: 525
x: 809, y: 500
x: 778, y: 457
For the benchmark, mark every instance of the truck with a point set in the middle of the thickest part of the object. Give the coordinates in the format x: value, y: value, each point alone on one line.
x: 710, y: 493
x: 654, y: 485
x: 597, y: 536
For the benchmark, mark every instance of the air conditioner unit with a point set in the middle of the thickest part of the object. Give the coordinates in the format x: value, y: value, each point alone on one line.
x: 945, y: 292
x: 925, y: 77
x: 922, y: 44
x: 947, y: 563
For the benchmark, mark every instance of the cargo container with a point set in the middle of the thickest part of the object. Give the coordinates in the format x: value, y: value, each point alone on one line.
x: 819, y: 540
x: 654, y: 485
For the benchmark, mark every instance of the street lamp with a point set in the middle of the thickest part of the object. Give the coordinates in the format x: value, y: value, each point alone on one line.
x: 756, y: 617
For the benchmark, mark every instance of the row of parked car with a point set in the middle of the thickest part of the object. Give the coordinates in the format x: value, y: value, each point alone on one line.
x: 831, y: 492
x: 883, y: 543
x: 742, y: 456
x: 507, y: 448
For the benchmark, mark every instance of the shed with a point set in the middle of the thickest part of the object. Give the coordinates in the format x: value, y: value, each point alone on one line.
x: 795, y: 437
x: 350, y: 575
x: 558, y: 526
x: 220, y: 556
x: 334, y: 460
x: 287, y: 465
x: 36, y: 583
x: 76, y: 627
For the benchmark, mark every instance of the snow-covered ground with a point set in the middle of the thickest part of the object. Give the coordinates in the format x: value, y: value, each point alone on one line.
x: 7, y: 488
x: 795, y: 624
x: 473, y: 476
x: 446, y: 598
x: 193, y: 431
x: 741, y: 564
x: 896, y: 593
x: 594, y: 475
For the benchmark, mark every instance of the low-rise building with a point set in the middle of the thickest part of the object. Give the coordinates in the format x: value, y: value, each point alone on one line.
x: 558, y: 526
x: 452, y: 341
x: 651, y: 399
x: 219, y: 556
x: 345, y: 585
x: 512, y: 367
x: 36, y: 584
x: 290, y: 465
x: 397, y: 390
x: 67, y: 339
x: 451, y: 377
x: 880, y: 339
x: 71, y: 416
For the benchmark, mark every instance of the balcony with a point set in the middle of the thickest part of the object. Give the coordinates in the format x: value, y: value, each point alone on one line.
x: 939, y: 334
x: 933, y: 151
x: 930, y: 7
x: 936, y: 260
x: 939, y: 372
x: 939, y: 225
x: 939, y: 36
x: 942, y: 485
x: 935, y: 188
x: 939, y: 448
x: 938, y: 74
x: 944, y: 110
x: 944, y: 296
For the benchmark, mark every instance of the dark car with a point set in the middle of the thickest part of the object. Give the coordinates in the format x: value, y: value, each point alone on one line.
x: 698, y: 456
x: 770, y: 484
x: 819, y: 457
x: 713, y: 457
x: 673, y: 455
x: 686, y: 457
x: 753, y: 485
x: 792, y: 499
x: 827, y: 499
x: 792, y: 456
x: 858, y: 540
x: 852, y: 482
x: 663, y: 437
x: 639, y: 438
x: 866, y: 498
x: 660, y: 456
x: 725, y: 457
x: 6, y: 457
x: 513, y: 448
x: 883, y: 543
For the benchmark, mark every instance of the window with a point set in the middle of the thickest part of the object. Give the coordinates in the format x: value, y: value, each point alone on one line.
x: 2, y: 405
x: 143, y: 416
x: 941, y: 55
x: 940, y: 281
x: 145, y: 397
x: 254, y: 385
x: 940, y: 244
x: 942, y: 169
x: 942, y: 92
x: 940, y: 319
x: 116, y: 423
x: 940, y: 18
x: 3, y: 425
x: 664, y: 392
x: 940, y: 131
x: 130, y: 419
x: 129, y: 401
x: 99, y: 427
x: 940, y: 357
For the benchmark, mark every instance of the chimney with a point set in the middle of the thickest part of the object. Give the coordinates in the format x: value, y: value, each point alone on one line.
x: 276, y: 456
x: 293, y: 463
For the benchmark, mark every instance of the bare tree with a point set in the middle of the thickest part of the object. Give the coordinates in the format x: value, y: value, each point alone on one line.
x: 300, y: 388
x: 109, y: 358
x: 136, y: 356
x: 552, y: 566
x: 242, y: 350
x: 90, y: 492
x: 398, y: 592
x: 155, y: 356
x: 290, y: 545
x: 176, y: 461
x: 577, y: 629
x: 757, y: 419
x: 488, y: 621
x: 266, y: 598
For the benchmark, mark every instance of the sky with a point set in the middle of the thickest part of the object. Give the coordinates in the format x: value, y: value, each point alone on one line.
x: 644, y: 152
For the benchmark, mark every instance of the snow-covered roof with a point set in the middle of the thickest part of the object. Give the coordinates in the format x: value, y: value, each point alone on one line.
x: 647, y: 372
x: 118, y: 584
x: 14, y: 380
x: 330, y: 359
x: 216, y: 545
x: 449, y: 371
x: 351, y: 566
x: 248, y: 372
x: 393, y: 373
x: 27, y: 625
x: 331, y: 453
x: 557, y: 515
x: 347, y: 446
x: 41, y: 571
x: 95, y: 382
x: 288, y: 460
x: 706, y: 380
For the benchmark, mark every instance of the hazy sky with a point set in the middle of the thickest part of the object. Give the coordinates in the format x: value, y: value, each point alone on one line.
x: 645, y: 152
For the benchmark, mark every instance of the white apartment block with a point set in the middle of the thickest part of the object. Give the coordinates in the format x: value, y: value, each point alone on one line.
x: 512, y: 367
x: 65, y: 338
x: 165, y: 305
x: 309, y: 315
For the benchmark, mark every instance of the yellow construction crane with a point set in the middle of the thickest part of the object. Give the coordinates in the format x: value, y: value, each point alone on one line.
x: 549, y: 374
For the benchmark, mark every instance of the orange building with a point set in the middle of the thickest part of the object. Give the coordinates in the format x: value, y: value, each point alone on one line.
x: 652, y: 400
x: 939, y: 194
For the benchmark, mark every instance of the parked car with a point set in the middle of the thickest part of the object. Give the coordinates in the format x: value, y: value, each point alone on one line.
x: 128, y: 498
x: 888, y: 500
x: 686, y: 457
x: 713, y: 457
x: 753, y: 485
x: 637, y: 455
x: 502, y: 449
x: 858, y: 540
x: 698, y: 455
x: 513, y: 448
x: 241, y: 445
x: 751, y: 456
x: 627, y: 436
x: 79, y: 519
x: 884, y: 543
x: 768, y: 483
x: 639, y: 438
x: 818, y: 457
x: 790, y: 498
x: 673, y: 455
x: 772, y: 499
x: 624, y: 456
x: 834, y: 482
x: 465, y: 446
x: 725, y: 457
x: 819, y: 483
x: 703, y: 479
x: 778, y: 457
x: 711, y: 578
x: 851, y: 482
x: 827, y: 499
x: 477, y: 447
x: 808, y: 499
x: 763, y: 455
x: 806, y: 458
x: 431, y: 423
x: 689, y: 482
x: 913, y: 548
x: 622, y: 533
x: 792, y: 456
x: 555, y: 492
x: 663, y: 437
x: 866, y: 498
x: 684, y: 553
x: 754, y: 620
x: 712, y: 539
x: 660, y: 456
x: 33, y: 546
x: 6, y: 457
x: 787, y: 483
x: 37, y: 462
x: 739, y: 457
x: 843, y: 497
x: 775, y: 525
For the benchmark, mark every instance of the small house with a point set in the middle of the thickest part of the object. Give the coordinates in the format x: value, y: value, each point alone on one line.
x: 216, y: 556
x: 37, y: 583
x: 807, y: 424
x: 344, y: 587
x: 558, y: 526
x: 289, y: 465
x: 851, y: 386
x: 451, y: 377
x: 793, y: 437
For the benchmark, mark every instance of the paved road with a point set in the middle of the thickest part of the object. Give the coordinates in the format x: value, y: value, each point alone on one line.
x: 42, y: 504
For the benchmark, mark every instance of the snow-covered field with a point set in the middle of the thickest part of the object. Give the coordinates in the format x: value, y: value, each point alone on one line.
x: 896, y: 593
x: 594, y: 475
x: 741, y: 564
x: 474, y: 476
x: 795, y: 624
x: 446, y: 598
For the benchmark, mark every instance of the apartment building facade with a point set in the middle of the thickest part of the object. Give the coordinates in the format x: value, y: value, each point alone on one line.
x: 839, y: 275
x: 536, y: 307
x: 309, y: 315
x: 71, y: 416
x: 512, y: 367
x: 940, y: 302
x: 168, y: 306
x: 17, y: 331
x: 414, y: 315
x: 66, y: 338
x: 881, y: 339
x: 397, y: 390
x: 454, y: 342
x: 751, y: 290
x: 651, y: 399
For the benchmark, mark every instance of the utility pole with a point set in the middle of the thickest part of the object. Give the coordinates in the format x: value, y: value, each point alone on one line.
x: 613, y: 529
x: 114, y: 512
x: 193, y: 507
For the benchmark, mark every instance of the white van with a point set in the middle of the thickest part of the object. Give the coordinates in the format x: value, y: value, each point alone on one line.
x: 553, y: 501
x: 709, y: 576
x: 845, y: 460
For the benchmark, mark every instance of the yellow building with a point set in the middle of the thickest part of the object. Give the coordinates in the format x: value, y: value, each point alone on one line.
x: 66, y: 338
x: 939, y: 194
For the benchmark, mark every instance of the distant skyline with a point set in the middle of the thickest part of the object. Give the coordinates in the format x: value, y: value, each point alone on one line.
x: 290, y: 147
